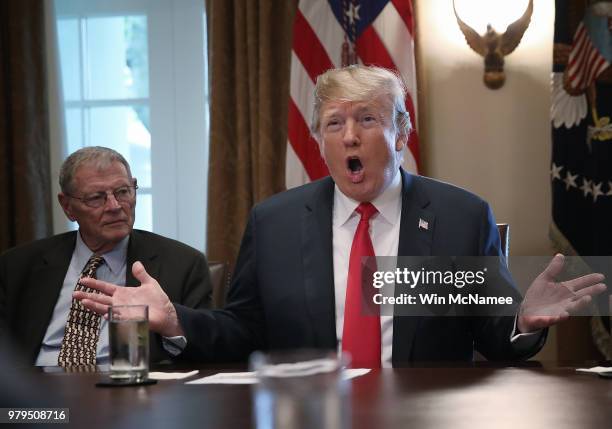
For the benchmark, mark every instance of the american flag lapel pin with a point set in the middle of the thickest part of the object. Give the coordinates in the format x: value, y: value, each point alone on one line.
x: 423, y: 224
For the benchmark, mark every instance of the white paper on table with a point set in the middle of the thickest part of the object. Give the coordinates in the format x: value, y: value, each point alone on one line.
x: 251, y: 377
x: 347, y: 374
x: 227, y: 378
x: 172, y: 375
x: 595, y: 370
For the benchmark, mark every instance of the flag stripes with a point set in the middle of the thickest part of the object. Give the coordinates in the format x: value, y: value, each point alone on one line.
x: 585, y: 62
x: 317, y: 46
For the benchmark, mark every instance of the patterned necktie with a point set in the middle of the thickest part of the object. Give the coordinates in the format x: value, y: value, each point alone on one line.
x: 82, y: 329
x: 361, y: 332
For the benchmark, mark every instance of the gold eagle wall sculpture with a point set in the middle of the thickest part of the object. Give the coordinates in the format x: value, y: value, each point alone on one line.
x: 494, y: 46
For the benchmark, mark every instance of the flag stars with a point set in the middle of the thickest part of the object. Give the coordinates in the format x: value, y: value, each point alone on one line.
x: 596, y: 188
x: 555, y: 171
x: 352, y: 13
x: 570, y: 180
x: 586, y: 187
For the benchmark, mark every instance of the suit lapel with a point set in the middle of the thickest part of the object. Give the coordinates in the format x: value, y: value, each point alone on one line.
x: 47, y: 279
x: 417, y: 222
x: 317, y: 259
x: 416, y: 235
x: 139, y: 251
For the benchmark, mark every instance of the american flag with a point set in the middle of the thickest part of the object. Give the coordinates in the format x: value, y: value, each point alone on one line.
x: 333, y: 33
x: 423, y: 224
x: 591, y: 51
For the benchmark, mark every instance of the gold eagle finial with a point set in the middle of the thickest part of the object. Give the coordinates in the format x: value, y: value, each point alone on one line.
x: 494, y: 46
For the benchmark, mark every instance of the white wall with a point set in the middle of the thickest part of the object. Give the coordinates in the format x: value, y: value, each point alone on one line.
x: 495, y: 143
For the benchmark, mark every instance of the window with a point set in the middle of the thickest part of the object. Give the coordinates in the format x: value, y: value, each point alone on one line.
x: 133, y: 76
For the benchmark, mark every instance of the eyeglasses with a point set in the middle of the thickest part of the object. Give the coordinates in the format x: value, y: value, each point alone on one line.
x: 124, y: 194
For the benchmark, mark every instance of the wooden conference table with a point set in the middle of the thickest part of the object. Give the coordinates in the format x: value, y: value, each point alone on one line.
x: 469, y: 397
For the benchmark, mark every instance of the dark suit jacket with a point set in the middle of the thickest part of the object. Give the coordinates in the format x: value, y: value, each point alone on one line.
x: 31, y: 277
x: 282, y: 294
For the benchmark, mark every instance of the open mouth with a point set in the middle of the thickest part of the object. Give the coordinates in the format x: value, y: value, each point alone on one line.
x: 354, y: 164
x: 355, y: 169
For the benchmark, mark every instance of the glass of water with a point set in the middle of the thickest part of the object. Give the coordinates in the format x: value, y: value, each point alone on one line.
x: 300, y: 389
x: 129, y: 342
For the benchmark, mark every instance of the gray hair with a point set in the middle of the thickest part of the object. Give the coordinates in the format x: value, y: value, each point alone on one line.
x: 100, y: 157
x: 361, y: 83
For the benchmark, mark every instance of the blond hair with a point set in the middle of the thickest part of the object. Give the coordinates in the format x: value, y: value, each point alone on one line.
x: 361, y: 83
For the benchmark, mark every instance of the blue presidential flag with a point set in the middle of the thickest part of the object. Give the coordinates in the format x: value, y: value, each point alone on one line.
x: 581, y: 112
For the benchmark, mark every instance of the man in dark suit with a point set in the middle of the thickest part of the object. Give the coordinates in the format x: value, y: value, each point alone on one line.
x: 297, y: 281
x: 37, y: 279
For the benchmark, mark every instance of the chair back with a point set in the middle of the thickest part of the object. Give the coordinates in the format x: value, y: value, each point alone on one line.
x: 504, y: 238
x: 219, y: 278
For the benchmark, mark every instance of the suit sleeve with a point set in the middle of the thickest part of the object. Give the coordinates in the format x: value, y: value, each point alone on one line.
x: 230, y: 334
x: 492, y: 334
x: 185, y: 277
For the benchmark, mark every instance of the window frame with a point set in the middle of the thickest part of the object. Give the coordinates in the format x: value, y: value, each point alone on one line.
x: 178, y: 103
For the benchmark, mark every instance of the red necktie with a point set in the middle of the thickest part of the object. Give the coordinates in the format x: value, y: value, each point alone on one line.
x: 361, y: 333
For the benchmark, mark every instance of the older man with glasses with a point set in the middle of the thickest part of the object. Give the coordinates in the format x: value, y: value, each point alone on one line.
x: 37, y: 280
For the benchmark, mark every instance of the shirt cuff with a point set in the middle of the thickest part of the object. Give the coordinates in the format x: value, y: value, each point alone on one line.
x: 174, y: 345
x: 524, y: 340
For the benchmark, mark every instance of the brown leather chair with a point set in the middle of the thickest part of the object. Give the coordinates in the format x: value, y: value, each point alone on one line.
x: 220, y: 278
x: 504, y: 237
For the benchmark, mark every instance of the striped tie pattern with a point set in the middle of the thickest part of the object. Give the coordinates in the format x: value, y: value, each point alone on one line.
x: 82, y: 329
